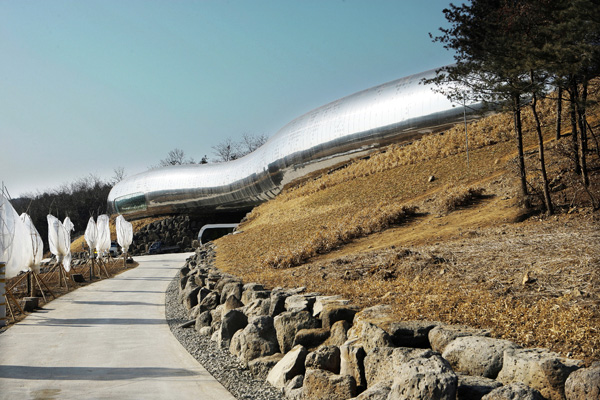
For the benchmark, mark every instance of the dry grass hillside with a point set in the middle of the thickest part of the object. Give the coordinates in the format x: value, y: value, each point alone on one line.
x: 457, y: 248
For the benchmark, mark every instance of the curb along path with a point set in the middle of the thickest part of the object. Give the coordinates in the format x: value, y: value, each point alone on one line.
x: 107, y: 340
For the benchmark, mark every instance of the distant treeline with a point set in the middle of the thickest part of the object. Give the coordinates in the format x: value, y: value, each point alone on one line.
x: 78, y: 200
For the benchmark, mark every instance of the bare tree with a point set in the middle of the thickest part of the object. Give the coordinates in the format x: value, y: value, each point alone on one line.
x: 119, y: 174
x: 174, y: 157
x: 227, y: 150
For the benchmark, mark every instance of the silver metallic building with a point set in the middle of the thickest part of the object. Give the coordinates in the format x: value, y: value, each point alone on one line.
x: 393, y: 112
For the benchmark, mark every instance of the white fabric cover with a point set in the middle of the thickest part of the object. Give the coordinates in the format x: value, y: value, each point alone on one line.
x: 91, y: 234
x: 59, y: 240
x: 15, y: 242
x: 124, y: 233
x: 37, y: 245
x: 103, y: 241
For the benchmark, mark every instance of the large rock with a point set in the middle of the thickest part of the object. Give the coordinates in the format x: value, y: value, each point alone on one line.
x: 300, y: 302
x: 210, y: 302
x: 256, y: 340
x: 287, y: 324
x: 381, y: 315
x: 190, y: 286
x: 289, y: 366
x: 204, y: 319
x: 333, y: 312
x: 411, y: 333
x: 338, y: 335
x: 427, y: 377
x: 514, y: 391
x: 538, y: 368
x: 293, y: 390
x: 231, y: 288
x: 326, y: 357
x: 369, y: 335
x: 584, y: 383
x: 352, y: 356
x: 382, y: 363
x: 477, y: 355
x: 311, y: 338
x: 321, y: 384
x: 474, y: 387
x: 321, y: 301
x: 260, y: 367
x: 232, y: 303
x: 257, y: 308
x: 231, y: 322
x: 380, y: 391
x: 277, y: 305
x: 253, y: 291
x: 441, y: 335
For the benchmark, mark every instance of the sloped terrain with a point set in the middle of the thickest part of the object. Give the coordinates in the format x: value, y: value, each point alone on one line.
x: 419, y: 228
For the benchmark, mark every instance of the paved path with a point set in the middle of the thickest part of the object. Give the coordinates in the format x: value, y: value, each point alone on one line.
x: 108, y: 340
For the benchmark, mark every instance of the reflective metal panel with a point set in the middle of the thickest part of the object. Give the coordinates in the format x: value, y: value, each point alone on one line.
x: 393, y: 112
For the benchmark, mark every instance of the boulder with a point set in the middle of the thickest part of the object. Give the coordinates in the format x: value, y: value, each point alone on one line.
x: 382, y: 363
x: 321, y: 384
x: 291, y: 365
x: 426, y: 377
x: 321, y: 301
x: 260, y: 367
x: 338, y: 333
x: 474, y: 387
x: 231, y: 288
x: 477, y: 355
x: 380, y: 315
x: 333, y: 312
x: 326, y: 357
x: 300, y: 302
x: 232, y: 303
x: 288, y: 323
x: 379, y: 391
x: 248, y: 296
x: 277, y: 304
x: 441, y: 335
x: 256, y: 340
x: 231, y: 322
x: 293, y: 390
x: 190, y: 300
x: 210, y: 302
x: 311, y: 338
x: 369, y: 335
x: 513, y: 391
x: 204, y: 319
x: 584, y: 383
x: 538, y: 368
x: 352, y: 357
x: 411, y: 333
x: 257, y: 308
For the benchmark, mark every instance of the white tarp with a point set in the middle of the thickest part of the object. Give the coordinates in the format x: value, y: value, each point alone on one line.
x: 103, y: 241
x: 91, y: 234
x: 37, y: 246
x: 124, y: 233
x: 59, y: 240
x: 15, y: 240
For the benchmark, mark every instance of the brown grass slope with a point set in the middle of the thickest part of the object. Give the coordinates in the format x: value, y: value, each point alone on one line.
x: 379, y: 231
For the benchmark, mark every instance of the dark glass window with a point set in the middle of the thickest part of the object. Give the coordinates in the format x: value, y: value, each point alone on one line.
x: 131, y: 202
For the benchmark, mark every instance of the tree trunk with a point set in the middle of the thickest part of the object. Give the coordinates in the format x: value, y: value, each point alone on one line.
x: 574, y: 137
x: 581, y: 110
x: 558, y: 112
x: 519, y: 136
x: 538, y: 129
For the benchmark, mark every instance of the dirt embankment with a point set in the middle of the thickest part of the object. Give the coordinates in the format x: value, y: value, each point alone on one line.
x: 442, y: 237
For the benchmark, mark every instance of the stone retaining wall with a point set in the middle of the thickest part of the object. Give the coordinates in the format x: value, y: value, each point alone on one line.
x: 322, y: 347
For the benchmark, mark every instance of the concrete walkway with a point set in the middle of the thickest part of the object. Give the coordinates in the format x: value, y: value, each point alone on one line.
x: 108, y: 340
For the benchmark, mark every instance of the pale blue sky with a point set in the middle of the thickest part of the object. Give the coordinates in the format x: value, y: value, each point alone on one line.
x: 87, y: 86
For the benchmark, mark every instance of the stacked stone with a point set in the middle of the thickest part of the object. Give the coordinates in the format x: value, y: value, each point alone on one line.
x: 179, y: 231
x: 321, y: 347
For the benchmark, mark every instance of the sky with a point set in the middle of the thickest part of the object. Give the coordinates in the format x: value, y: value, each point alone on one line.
x: 87, y: 87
